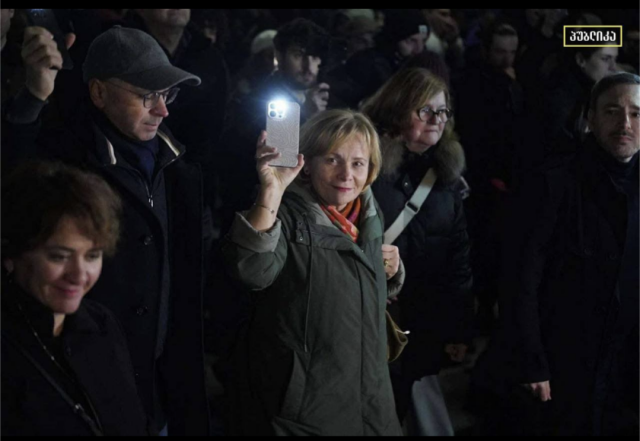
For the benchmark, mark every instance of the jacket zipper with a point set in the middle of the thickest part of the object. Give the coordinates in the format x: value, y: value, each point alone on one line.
x: 144, y: 182
x: 149, y: 194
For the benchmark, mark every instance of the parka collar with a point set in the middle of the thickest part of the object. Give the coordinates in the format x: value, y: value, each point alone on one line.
x: 369, y: 230
x: 303, y: 191
x: 107, y: 155
x: 447, y: 156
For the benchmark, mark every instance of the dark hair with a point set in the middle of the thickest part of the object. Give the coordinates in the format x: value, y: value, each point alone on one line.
x: 496, y: 26
x: 304, y: 34
x: 37, y: 195
x: 405, y: 92
x: 609, y: 82
x: 393, y: 105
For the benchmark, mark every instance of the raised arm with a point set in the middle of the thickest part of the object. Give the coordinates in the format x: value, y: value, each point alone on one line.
x: 20, y: 120
x: 254, y: 250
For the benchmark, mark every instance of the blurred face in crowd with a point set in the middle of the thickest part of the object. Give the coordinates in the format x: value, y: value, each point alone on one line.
x: 300, y: 68
x: 600, y: 64
x: 444, y: 25
x: 615, y: 122
x: 172, y: 18
x: 420, y: 135
x: 502, y: 53
x: 61, y: 271
x: 210, y: 31
x: 123, y: 104
x: 340, y: 176
x: 413, y: 45
x: 544, y: 18
x: 361, y: 42
x: 534, y: 17
x: 5, y: 22
x: 264, y: 62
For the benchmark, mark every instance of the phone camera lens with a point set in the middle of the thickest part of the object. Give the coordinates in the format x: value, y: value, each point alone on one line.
x: 272, y: 114
x: 272, y: 106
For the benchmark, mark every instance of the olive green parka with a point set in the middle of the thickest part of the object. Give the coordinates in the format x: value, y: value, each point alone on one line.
x: 316, y: 347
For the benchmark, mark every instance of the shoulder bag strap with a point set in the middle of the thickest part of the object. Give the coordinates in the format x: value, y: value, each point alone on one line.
x: 412, y: 207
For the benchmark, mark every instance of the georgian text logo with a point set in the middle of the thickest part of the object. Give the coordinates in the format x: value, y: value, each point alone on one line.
x: 592, y: 36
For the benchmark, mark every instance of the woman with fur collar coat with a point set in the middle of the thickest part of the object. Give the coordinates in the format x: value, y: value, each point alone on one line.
x: 413, y: 117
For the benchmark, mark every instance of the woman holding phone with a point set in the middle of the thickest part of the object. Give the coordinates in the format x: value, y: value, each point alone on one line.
x: 310, y: 250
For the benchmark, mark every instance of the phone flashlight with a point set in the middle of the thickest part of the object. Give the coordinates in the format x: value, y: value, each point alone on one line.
x: 277, y: 109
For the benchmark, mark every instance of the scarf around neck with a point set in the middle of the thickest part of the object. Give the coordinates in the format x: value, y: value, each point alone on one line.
x: 141, y: 155
x: 346, y: 219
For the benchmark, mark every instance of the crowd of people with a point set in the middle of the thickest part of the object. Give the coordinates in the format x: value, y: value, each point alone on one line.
x: 460, y: 172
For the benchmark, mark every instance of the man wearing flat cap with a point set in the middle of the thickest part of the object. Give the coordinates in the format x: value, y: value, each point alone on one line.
x: 154, y: 283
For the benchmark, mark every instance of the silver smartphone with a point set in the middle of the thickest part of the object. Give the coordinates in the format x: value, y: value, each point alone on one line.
x: 283, y: 131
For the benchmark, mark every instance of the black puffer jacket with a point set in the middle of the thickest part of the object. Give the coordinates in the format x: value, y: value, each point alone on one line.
x: 436, y: 301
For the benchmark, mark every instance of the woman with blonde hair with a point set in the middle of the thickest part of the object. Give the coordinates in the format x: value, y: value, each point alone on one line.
x: 422, y: 157
x: 310, y: 250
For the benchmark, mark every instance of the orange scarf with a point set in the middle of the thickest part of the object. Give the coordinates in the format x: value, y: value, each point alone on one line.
x: 346, y: 219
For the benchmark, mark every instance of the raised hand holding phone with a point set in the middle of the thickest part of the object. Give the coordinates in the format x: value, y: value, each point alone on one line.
x: 45, y: 18
x: 273, y: 183
x: 42, y: 60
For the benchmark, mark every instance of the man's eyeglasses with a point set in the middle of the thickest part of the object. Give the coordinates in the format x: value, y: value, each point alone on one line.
x: 427, y: 113
x: 150, y: 100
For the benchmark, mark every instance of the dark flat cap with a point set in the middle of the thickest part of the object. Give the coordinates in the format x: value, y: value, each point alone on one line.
x: 134, y: 57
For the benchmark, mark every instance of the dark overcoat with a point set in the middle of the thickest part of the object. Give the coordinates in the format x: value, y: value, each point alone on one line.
x: 133, y: 279
x: 560, y: 300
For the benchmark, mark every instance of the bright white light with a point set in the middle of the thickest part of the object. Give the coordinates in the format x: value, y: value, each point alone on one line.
x: 279, y: 106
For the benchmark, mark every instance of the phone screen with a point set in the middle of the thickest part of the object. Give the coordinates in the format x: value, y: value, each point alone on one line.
x: 45, y: 18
